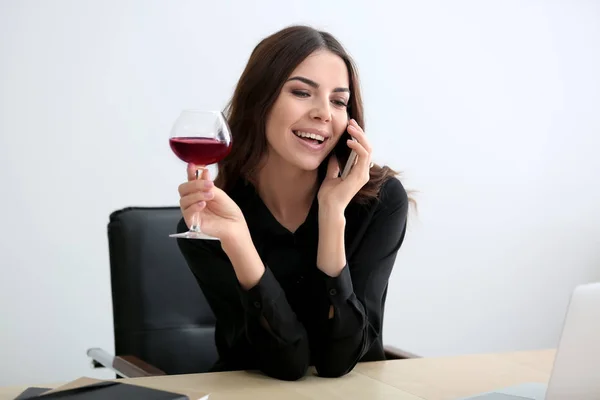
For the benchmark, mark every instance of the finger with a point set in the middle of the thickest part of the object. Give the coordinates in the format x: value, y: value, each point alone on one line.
x: 191, y: 172
x: 333, y: 168
x: 357, y: 132
x: 361, y: 170
x: 188, y: 214
x: 360, y: 150
x: 194, y: 208
x: 205, y: 176
x: 195, y: 186
x: 194, y: 198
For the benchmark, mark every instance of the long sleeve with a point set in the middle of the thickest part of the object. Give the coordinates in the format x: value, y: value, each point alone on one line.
x: 259, y: 325
x: 358, y: 293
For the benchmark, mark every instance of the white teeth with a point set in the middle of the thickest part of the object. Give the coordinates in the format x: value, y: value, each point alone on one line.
x: 310, y: 136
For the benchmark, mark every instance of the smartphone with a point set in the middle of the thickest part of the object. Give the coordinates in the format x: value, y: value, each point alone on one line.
x: 345, y: 157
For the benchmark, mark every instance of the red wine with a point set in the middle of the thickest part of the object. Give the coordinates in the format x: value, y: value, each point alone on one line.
x: 199, y: 151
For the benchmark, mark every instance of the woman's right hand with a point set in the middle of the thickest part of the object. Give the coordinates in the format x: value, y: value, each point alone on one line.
x: 219, y: 215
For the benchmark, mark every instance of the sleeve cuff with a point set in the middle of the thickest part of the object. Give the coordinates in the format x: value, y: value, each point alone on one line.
x: 339, y: 289
x: 262, y: 295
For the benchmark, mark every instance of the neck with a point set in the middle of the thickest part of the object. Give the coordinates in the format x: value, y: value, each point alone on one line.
x: 287, y: 191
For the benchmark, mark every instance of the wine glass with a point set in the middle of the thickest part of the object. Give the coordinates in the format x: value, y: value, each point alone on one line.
x: 201, y: 138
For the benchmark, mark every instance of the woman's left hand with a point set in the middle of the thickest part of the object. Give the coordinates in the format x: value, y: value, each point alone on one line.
x: 335, y: 193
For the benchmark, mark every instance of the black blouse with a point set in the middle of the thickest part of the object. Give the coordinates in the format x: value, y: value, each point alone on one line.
x: 294, y: 296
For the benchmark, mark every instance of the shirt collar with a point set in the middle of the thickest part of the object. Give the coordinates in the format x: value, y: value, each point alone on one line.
x: 259, y: 218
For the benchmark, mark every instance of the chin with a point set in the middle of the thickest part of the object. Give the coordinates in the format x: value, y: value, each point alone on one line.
x: 308, y: 165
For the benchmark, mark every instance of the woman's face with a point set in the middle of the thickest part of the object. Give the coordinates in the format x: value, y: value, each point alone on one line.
x: 309, y: 115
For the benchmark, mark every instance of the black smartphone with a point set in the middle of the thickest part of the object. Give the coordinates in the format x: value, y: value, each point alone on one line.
x: 344, y: 155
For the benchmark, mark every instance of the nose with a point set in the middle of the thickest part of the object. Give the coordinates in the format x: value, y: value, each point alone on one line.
x: 321, y: 111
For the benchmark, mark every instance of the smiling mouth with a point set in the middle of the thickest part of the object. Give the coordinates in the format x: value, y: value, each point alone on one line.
x: 312, y: 138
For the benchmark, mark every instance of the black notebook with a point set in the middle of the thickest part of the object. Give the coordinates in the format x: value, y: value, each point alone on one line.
x: 100, y: 390
x: 32, y: 391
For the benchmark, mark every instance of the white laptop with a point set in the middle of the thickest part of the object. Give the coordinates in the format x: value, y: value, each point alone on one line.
x: 576, y: 371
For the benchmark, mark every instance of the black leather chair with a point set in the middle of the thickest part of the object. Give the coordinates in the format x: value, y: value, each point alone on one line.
x: 162, y: 322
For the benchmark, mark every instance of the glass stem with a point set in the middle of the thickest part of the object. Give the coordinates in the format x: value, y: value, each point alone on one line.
x: 196, y: 216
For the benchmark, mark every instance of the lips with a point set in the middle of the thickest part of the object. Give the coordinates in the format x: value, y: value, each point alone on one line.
x: 313, y: 141
x: 307, y: 135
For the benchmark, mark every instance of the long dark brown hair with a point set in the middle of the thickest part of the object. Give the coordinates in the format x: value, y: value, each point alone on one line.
x: 269, y: 66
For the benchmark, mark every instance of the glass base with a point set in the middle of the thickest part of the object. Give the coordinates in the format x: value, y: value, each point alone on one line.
x: 193, y: 235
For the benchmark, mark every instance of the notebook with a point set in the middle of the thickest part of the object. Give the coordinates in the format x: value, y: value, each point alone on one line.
x: 93, y: 389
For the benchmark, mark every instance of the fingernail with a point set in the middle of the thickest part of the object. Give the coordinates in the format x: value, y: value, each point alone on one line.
x: 208, y: 184
x: 209, y: 195
x: 201, y: 203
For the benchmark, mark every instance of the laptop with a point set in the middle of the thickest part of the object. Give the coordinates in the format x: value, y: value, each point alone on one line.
x: 576, y: 371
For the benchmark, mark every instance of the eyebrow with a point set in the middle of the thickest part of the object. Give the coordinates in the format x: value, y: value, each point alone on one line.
x: 314, y: 84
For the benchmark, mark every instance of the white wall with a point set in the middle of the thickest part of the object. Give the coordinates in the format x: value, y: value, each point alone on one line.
x: 491, y: 109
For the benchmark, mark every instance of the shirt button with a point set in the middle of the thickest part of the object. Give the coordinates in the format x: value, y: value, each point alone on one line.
x: 333, y: 292
x: 257, y: 304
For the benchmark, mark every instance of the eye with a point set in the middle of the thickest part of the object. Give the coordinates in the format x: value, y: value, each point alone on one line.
x: 340, y: 103
x: 300, y: 93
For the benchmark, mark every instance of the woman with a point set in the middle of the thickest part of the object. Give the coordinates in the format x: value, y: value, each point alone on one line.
x: 300, y: 274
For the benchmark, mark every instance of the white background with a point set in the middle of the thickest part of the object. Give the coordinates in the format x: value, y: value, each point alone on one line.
x: 491, y: 109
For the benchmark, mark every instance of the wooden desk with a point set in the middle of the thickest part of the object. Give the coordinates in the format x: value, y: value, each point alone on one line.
x: 442, y: 378
x: 447, y: 378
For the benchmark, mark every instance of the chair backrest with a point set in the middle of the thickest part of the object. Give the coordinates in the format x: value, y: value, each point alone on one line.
x: 160, y: 314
